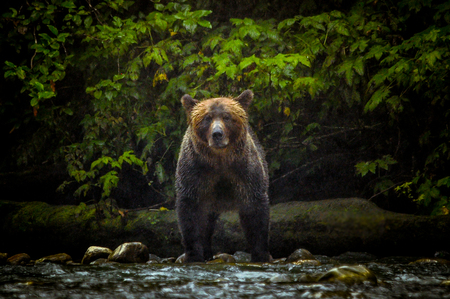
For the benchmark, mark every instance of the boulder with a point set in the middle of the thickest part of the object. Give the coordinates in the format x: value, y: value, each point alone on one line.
x: 133, y: 252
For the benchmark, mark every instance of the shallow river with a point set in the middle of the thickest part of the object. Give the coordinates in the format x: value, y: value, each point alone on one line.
x: 396, y: 279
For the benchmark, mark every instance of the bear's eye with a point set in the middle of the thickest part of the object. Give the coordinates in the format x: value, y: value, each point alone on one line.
x: 207, y: 118
x: 226, y: 117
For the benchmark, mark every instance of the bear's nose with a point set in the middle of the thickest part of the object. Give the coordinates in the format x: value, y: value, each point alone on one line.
x: 217, y: 133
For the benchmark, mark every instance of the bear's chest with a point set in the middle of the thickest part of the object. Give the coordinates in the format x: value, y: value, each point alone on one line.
x: 222, y: 193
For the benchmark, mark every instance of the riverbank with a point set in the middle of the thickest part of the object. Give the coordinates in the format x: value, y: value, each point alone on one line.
x: 328, y: 227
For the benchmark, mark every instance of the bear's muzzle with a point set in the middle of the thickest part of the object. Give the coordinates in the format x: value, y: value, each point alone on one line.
x: 218, y: 138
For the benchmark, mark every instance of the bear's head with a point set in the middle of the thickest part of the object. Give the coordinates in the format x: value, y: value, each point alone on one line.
x: 218, y: 122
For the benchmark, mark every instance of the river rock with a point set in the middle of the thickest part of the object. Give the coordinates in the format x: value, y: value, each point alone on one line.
x: 307, y: 262
x: 133, y: 252
x: 242, y: 257
x: 181, y: 259
x: 19, y: 259
x: 300, y: 255
x: 280, y: 278
x: 227, y: 258
x: 349, y: 275
x: 215, y: 261
x: 279, y: 261
x: 95, y: 252
x: 168, y: 260
x: 154, y: 259
x: 3, y: 258
x: 59, y: 258
x: 431, y: 261
x: 102, y: 261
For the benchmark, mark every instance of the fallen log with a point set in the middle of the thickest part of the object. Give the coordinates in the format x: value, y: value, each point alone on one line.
x: 328, y: 227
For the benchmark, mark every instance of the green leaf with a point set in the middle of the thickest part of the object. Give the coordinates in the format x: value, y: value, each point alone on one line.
x: 34, y: 102
x: 53, y: 29
x: 205, y: 23
x: 358, y: 66
x: 68, y: 111
x: 68, y: 4
x: 46, y: 94
x: 88, y: 22
x: 39, y: 86
x: 190, y: 25
x: 376, y: 99
x: 159, y: 6
x: 160, y: 173
x: 98, y: 94
x: 342, y: 29
x: 21, y: 73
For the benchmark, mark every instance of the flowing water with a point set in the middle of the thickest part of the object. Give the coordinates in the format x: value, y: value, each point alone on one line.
x: 396, y: 279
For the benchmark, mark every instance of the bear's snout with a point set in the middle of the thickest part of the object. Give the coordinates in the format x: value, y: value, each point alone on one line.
x: 218, y: 138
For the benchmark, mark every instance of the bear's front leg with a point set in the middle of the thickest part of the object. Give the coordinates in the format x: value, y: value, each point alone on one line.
x: 192, y: 222
x: 209, y: 231
x: 255, y: 224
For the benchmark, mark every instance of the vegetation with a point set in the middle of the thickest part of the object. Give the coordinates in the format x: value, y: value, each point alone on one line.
x: 361, y: 90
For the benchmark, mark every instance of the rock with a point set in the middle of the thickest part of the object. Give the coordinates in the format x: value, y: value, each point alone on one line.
x: 3, y: 258
x: 95, y: 252
x: 227, y: 258
x: 307, y: 262
x: 442, y: 255
x: 431, y: 261
x: 216, y: 261
x: 59, y: 258
x: 349, y: 275
x: 101, y: 261
x: 154, y: 259
x: 300, y: 254
x: 445, y: 283
x: 133, y: 252
x: 19, y: 259
x: 168, y: 260
x: 181, y: 259
x: 280, y: 278
x: 242, y: 257
x: 279, y: 261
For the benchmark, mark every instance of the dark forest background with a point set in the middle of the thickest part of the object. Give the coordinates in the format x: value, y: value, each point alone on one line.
x: 351, y: 97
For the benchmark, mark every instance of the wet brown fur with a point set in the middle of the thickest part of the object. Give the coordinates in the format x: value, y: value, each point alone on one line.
x: 210, y: 180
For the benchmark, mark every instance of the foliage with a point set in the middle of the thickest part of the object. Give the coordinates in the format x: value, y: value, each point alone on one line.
x: 368, y: 84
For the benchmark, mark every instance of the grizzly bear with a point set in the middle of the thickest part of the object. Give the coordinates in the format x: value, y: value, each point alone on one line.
x: 221, y: 166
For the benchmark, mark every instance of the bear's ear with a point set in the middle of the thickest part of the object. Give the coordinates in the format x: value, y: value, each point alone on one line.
x: 188, y: 103
x: 245, y: 98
